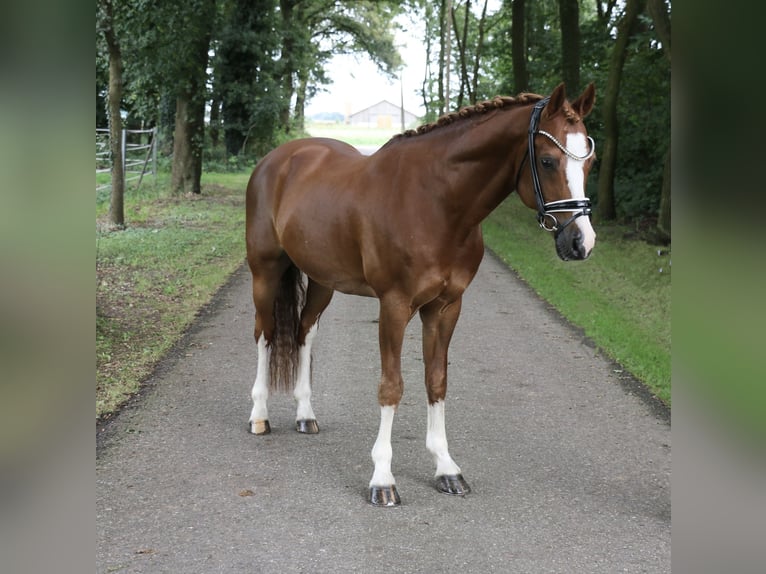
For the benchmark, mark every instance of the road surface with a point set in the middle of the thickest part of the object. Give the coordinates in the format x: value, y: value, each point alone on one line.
x: 569, y: 463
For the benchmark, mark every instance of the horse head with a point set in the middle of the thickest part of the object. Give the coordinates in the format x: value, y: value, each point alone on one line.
x: 560, y: 155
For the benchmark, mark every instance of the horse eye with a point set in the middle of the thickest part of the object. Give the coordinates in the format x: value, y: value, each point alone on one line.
x: 547, y: 163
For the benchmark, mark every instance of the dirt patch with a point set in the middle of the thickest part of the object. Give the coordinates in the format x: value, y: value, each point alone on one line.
x: 129, y: 323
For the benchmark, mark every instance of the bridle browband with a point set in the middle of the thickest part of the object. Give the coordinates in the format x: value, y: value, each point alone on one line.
x: 545, y: 211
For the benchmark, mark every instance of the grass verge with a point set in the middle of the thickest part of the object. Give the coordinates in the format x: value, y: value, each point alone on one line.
x: 619, y: 296
x: 154, y: 275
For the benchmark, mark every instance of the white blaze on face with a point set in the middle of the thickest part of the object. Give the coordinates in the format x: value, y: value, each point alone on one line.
x: 578, y: 145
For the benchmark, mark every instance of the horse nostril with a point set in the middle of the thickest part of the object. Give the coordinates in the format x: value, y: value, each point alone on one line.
x: 578, y: 249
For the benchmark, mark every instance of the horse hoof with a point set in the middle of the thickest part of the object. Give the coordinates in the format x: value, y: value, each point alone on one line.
x: 307, y: 426
x: 452, y: 484
x: 260, y: 427
x: 384, y: 496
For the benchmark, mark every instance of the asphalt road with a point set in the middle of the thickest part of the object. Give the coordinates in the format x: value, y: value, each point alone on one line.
x: 568, y: 462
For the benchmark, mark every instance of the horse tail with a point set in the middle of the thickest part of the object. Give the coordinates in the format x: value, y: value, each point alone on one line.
x: 284, y: 344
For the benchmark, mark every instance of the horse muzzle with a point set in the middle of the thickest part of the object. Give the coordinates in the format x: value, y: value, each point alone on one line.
x: 572, y: 243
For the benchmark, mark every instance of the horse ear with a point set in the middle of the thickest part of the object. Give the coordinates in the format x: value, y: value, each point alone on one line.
x: 584, y: 104
x: 558, y: 97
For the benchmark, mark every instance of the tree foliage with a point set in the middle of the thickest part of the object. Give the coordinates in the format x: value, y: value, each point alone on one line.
x: 246, y: 73
x: 266, y: 59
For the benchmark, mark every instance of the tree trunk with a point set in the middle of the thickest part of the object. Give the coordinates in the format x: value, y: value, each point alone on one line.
x: 606, y: 205
x: 444, y: 41
x: 477, y: 60
x: 519, y: 46
x: 663, y: 219
x: 188, y: 137
x: 569, y: 14
x: 447, y: 57
x: 287, y: 67
x: 215, y: 114
x: 117, y: 200
x: 658, y: 9
x: 299, y: 116
x: 215, y: 122
x: 461, y: 48
x: 440, y: 75
x: 427, y: 89
x: 182, y: 179
x: 187, y: 144
x: 166, y: 119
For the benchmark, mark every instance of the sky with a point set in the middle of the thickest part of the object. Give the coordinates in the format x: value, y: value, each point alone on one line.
x: 357, y: 83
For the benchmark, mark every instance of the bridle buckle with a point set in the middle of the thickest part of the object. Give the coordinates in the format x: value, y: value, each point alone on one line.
x: 543, y: 218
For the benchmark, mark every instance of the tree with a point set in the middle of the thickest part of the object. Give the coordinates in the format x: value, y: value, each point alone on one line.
x: 469, y: 49
x: 107, y: 24
x: 569, y: 16
x: 519, y: 46
x: 625, y: 29
x: 445, y: 7
x: 193, y: 41
x: 247, y: 81
x: 165, y: 51
x: 660, y: 13
x: 483, y: 29
x: 270, y: 57
x: 293, y: 42
x: 456, y: 39
x: 314, y: 30
x: 461, y: 39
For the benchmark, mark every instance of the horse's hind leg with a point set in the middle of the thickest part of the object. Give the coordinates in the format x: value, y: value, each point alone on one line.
x: 438, y: 325
x: 266, y: 277
x: 259, y: 415
x: 317, y: 299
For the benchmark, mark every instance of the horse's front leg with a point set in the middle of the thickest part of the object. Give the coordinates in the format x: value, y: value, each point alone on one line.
x: 439, y: 320
x: 394, y: 316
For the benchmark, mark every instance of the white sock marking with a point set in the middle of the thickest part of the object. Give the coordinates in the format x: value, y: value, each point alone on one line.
x: 302, y: 392
x: 382, y: 451
x: 578, y: 145
x: 436, y: 441
x: 260, y: 392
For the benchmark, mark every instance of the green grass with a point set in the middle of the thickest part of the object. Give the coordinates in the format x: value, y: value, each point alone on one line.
x: 155, y: 275
x: 719, y: 324
x: 618, y: 296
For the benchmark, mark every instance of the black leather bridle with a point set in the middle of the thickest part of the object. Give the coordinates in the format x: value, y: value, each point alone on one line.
x: 545, y: 211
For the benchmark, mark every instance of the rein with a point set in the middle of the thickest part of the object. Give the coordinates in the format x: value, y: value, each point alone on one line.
x: 545, y: 211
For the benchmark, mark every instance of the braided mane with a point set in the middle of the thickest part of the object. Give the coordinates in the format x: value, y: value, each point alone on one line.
x: 470, y: 111
x: 484, y: 107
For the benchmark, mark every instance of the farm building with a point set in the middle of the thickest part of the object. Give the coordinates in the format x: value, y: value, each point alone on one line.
x: 382, y: 115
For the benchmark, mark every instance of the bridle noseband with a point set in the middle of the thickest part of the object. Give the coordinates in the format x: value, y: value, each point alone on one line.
x: 545, y: 211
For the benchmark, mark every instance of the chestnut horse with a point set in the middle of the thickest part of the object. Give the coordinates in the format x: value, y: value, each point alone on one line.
x: 403, y: 225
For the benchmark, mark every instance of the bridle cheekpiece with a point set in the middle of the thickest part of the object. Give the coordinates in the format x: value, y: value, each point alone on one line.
x: 545, y: 211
